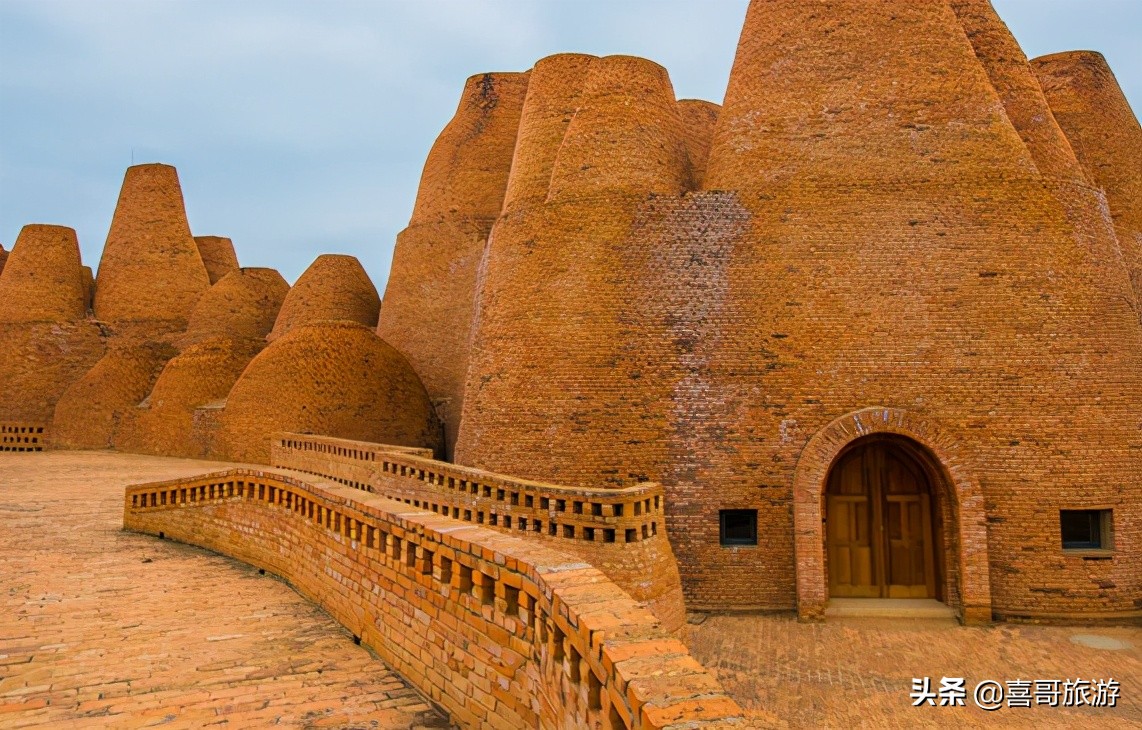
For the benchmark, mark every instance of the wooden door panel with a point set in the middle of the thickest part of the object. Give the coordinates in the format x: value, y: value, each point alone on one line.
x: 879, y: 535
x: 906, y: 546
x: 850, y: 554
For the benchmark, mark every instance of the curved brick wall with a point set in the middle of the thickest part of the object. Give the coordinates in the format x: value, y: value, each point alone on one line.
x: 499, y: 631
x: 243, y: 305
x: 549, y: 395
x: 202, y: 374
x: 46, y: 344
x: 3, y: 257
x: 151, y: 270
x: 335, y: 378
x: 908, y: 251
x: 43, y: 279
x: 698, y: 121
x: 334, y: 287
x: 1023, y: 100
x: 625, y: 135
x: 98, y: 407
x: 619, y: 531
x: 217, y: 255
x: 467, y: 169
x: 553, y: 91
x: 1105, y: 135
x: 427, y: 310
x: 39, y: 361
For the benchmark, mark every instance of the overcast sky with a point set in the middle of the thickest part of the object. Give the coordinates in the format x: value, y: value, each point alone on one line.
x: 300, y: 128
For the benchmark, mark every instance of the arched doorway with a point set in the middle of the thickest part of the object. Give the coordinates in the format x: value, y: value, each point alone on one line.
x: 882, y: 522
x: 959, y: 533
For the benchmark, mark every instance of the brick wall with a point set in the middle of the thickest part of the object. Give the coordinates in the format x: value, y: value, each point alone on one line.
x: 500, y: 632
x: 22, y: 437
x: 619, y: 531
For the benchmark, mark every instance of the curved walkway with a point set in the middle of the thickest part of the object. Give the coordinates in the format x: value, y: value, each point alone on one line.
x: 102, y: 628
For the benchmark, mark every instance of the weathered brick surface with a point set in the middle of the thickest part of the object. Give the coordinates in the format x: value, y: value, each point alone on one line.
x: 427, y: 310
x: 500, y: 631
x: 619, y: 531
x: 854, y: 672
x: 1104, y: 132
x: 217, y: 255
x: 335, y: 378
x: 150, y: 270
x: 43, y: 279
x: 243, y: 305
x: 333, y: 288
x: 101, y: 405
x: 105, y: 628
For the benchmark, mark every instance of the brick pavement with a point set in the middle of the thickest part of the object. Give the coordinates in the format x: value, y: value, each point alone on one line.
x: 858, y: 672
x: 101, y: 628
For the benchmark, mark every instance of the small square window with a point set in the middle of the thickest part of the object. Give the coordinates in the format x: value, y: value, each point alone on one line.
x: 739, y: 526
x: 1086, y: 529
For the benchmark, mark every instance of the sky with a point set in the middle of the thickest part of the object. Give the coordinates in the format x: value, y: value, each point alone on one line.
x: 301, y: 128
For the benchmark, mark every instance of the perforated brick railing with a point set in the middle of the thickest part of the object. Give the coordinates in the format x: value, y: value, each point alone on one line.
x: 22, y: 436
x: 411, y: 476
x: 501, y: 632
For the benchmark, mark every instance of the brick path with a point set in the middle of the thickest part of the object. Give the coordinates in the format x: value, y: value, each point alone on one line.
x: 858, y: 672
x: 101, y: 628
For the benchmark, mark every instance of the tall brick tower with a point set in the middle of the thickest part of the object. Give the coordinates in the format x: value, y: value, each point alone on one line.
x: 549, y: 390
x: 428, y: 303
x: 151, y: 270
x: 920, y: 241
x: 1089, y: 105
x: 893, y: 258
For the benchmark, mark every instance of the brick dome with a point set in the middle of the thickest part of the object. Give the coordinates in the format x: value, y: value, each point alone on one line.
x: 332, y: 378
x: 334, y: 288
x: 243, y: 304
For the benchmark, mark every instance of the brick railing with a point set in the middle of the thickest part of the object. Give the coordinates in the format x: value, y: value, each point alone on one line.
x: 411, y: 476
x: 502, y: 632
x: 16, y: 436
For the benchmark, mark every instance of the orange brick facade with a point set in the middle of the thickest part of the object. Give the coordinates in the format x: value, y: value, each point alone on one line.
x: 501, y: 632
x: 615, y: 315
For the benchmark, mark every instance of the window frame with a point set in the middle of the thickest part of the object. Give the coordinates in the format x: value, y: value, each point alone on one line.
x: 736, y: 541
x: 1101, y: 521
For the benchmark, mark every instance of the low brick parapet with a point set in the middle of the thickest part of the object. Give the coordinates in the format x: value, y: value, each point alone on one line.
x: 411, y: 476
x: 22, y: 436
x: 500, y: 631
x: 622, y: 532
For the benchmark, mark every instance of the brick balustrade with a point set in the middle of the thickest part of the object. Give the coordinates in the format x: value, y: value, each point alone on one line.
x: 619, y: 531
x: 502, y: 632
x: 19, y: 436
x: 623, y: 515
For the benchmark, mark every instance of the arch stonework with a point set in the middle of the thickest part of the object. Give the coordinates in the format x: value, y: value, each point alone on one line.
x: 957, y: 485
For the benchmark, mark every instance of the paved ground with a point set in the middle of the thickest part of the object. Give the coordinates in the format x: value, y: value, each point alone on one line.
x: 101, y: 628
x: 853, y: 672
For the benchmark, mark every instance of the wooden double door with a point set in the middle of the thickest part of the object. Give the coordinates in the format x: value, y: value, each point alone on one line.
x: 880, y: 535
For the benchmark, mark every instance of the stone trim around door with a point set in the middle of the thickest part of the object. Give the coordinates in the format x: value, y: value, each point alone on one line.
x: 957, y: 485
